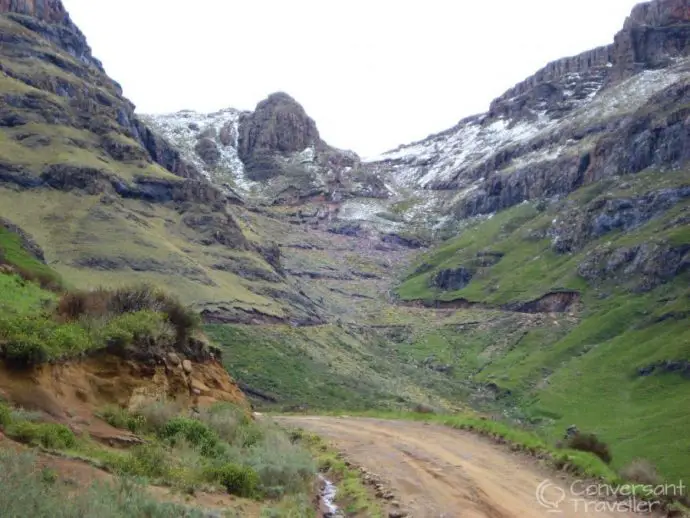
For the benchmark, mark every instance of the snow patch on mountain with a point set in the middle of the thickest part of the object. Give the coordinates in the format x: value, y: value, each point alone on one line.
x: 184, y: 129
x: 439, y: 159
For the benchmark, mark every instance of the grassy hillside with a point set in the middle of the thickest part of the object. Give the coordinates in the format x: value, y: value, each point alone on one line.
x: 102, y: 207
x: 634, y: 312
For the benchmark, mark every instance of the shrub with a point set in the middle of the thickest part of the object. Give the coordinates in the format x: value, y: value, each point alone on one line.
x: 76, y: 304
x: 48, y: 435
x: 145, y: 460
x: 238, y: 480
x: 136, y: 298
x: 231, y: 424
x: 156, y: 415
x: 30, y: 340
x: 195, y: 432
x: 5, y: 415
x: 591, y: 443
x: 641, y: 471
x: 282, y: 466
x: 28, y: 491
x: 21, y: 414
x: 121, y: 418
x: 137, y: 328
x: 183, y: 319
x: 47, y: 280
x: 421, y: 408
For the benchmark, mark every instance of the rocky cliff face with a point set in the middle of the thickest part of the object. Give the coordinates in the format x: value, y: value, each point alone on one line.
x: 50, y: 19
x: 67, y: 133
x: 273, y: 154
x: 653, y: 36
x: 27, y: 25
x: 278, y: 125
x: 549, y: 134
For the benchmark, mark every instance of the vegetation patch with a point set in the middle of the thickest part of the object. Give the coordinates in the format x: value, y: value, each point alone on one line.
x: 34, y: 328
x: 31, y: 491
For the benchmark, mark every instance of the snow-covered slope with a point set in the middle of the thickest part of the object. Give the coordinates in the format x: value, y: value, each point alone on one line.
x: 187, y: 128
x: 538, y: 144
x: 460, y: 155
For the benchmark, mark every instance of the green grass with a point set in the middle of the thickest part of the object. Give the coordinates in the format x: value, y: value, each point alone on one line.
x: 147, y: 243
x: 60, y: 149
x: 13, y: 253
x: 529, y: 267
x: 563, y: 370
x: 323, y: 367
x: 31, y: 491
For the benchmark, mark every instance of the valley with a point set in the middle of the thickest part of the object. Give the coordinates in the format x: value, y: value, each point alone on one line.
x: 530, y: 265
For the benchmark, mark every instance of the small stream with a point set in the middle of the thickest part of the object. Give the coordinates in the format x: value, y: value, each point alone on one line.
x: 330, y: 510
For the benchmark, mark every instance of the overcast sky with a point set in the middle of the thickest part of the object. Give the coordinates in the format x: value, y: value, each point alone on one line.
x: 372, y: 73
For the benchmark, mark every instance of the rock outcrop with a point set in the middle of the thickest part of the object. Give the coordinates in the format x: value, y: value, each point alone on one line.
x: 617, y: 109
x: 574, y: 78
x: 654, y: 34
x: 452, y: 279
x: 95, y: 100
x: 278, y: 125
x: 50, y: 19
x: 274, y: 154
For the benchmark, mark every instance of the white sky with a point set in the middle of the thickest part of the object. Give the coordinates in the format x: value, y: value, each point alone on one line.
x: 372, y: 73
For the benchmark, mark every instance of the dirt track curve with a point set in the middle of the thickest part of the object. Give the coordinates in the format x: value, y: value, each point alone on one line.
x: 438, y: 472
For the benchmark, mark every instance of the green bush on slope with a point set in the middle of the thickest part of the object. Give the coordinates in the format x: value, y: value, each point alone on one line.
x: 220, y: 445
x: 32, y: 332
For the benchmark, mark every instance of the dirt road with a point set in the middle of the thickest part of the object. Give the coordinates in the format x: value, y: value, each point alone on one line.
x: 438, y: 472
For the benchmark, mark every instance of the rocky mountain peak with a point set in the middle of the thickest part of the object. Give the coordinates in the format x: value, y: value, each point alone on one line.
x: 653, y: 36
x: 659, y: 13
x: 279, y: 124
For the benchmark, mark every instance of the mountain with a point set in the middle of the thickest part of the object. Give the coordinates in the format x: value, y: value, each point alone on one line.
x: 532, y: 261
x: 272, y: 155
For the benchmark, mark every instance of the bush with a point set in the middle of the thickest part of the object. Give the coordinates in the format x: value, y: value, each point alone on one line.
x: 195, y: 432
x: 144, y: 298
x: 121, y: 418
x: 156, y: 415
x: 641, y: 471
x: 77, y: 304
x: 146, y: 460
x: 591, y: 443
x: 183, y: 319
x: 5, y: 415
x: 137, y: 328
x: 48, y: 435
x: 238, y: 480
x: 30, y: 340
x: 21, y: 414
x: 29, y: 491
x: 136, y: 298
x: 282, y: 466
x: 231, y: 424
